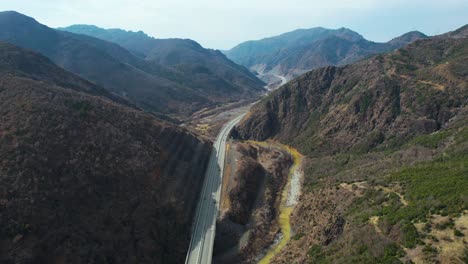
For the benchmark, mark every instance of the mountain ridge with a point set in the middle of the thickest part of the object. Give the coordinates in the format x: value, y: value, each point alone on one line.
x: 293, y: 53
x: 150, y: 85
x: 165, y: 51
x: 385, y: 142
x: 84, y: 176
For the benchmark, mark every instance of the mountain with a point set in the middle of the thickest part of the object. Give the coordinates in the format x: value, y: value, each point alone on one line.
x: 86, y: 177
x: 299, y: 51
x: 183, y: 55
x: 150, y: 85
x: 407, y: 38
x: 138, y: 43
x: 386, y: 147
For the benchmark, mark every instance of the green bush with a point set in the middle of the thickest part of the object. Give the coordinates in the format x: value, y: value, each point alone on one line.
x: 458, y: 233
x: 316, y: 255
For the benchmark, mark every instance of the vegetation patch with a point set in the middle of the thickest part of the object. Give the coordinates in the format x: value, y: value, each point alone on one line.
x: 81, y: 107
x: 431, y: 140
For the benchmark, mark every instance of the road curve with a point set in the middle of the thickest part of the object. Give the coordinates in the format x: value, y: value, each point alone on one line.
x: 283, y: 79
x: 204, y: 227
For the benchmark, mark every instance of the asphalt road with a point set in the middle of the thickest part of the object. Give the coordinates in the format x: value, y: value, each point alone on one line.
x: 283, y: 79
x: 204, y: 229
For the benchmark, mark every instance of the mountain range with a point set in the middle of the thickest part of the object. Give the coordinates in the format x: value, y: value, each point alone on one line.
x: 95, y: 169
x: 162, y: 84
x: 296, y: 52
x: 386, y: 155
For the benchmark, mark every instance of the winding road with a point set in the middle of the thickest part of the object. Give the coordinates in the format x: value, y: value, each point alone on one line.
x: 283, y: 79
x: 204, y: 229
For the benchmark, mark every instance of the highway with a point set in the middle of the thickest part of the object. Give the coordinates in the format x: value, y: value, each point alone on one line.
x: 204, y: 227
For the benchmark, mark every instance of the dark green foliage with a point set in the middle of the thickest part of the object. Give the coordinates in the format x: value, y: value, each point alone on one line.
x: 411, y: 236
x: 458, y: 233
x: 393, y: 250
x: 364, y: 103
x: 392, y: 253
x: 446, y: 224
x: 316, y: 255
x: 465, y: 256
x: 439, y: 184
x: 298, y: 236
x: 428, y: 249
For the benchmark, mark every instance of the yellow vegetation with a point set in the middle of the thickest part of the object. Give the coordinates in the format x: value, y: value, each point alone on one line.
x: 202, y: 127
x: 285, y: 211
x: 225, y: 202
x: 374, y: 220
x: 451, y: 247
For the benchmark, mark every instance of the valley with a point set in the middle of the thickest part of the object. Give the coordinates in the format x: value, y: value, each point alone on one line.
x: 313, y: 146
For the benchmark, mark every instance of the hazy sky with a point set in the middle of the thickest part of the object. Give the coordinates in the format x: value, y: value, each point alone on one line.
x: 223, y: 24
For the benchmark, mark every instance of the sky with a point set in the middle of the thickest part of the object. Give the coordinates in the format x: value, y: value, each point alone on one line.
x: 223, y: 24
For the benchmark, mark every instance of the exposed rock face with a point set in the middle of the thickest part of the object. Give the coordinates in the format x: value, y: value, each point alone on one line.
x: 177, y: 91
x: 254, y: 197
x: 386, y: 143
x: 318, y: 219
x: 362, y: 105
x: 85, y: 179
x: 299, y: 51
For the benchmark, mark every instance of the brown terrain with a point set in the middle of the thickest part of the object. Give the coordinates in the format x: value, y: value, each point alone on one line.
x: 386, y: 147
x: 256, y: 174
x: 84, y: 176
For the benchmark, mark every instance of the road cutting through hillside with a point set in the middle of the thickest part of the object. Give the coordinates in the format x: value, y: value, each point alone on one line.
x: 201, y: 244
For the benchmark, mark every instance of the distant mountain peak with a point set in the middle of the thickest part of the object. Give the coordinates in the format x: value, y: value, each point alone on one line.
x: 88, y: 29
x: 293, y: 53
x: 408, y: 38
x: 16, y: 17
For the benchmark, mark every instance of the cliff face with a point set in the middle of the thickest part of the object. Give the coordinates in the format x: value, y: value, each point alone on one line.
x: 250, y: 212
x: 85, y: 179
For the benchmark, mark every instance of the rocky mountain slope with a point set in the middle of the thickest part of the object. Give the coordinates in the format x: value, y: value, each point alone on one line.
x: 387, y: 149
x: 299, y: 51
x: 249, y: 214
x: 84, y: 176
x: 152, y: 86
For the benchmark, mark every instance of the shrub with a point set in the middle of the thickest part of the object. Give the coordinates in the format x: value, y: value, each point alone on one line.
x: 458, y: 233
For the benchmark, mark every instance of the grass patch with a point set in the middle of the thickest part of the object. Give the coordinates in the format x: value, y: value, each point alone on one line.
x: 431, y: 140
